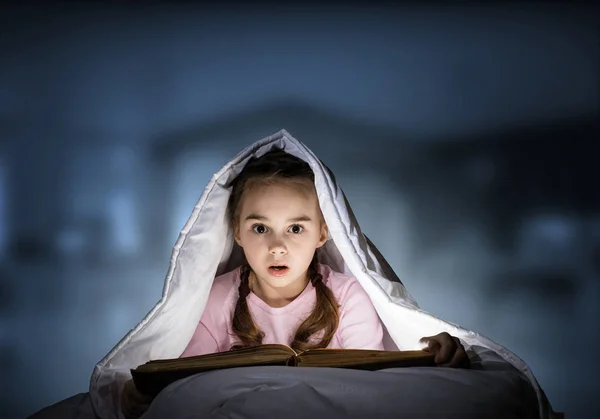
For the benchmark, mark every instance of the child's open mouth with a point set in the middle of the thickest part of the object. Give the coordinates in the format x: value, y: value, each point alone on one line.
x: 278, y: 270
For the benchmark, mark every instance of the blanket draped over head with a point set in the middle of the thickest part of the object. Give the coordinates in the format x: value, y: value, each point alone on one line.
x: 205, y: 249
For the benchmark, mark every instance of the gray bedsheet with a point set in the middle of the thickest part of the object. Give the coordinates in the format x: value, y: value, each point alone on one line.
x: 490, y: 389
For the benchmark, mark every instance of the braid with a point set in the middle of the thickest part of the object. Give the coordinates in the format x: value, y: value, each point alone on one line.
x: 315, y: 277
x: 243, y: 325
x: 244, y: 287
x: 325, y: 315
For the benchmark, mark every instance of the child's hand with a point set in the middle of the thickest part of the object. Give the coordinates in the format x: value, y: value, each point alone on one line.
x: 448, y: 350
x: 133, y: 403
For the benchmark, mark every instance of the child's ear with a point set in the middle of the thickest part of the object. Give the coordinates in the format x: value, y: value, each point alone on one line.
x: 236, y: 234
x: 324, y: 234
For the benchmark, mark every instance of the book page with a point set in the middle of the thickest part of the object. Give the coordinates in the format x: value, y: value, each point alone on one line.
x: 248, y: 356
x: 152, y: 377
x: 364, y: 358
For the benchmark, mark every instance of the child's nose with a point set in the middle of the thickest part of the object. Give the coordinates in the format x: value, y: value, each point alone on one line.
x: 277, y: 248
x: 278, y: 251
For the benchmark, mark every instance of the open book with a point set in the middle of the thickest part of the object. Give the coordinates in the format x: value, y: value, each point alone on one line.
x: 151, y: 377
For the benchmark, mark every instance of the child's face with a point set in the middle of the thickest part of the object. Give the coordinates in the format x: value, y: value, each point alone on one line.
x: 280, y: 225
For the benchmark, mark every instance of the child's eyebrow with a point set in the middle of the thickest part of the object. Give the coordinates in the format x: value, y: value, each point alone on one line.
x: 302, y: 218
x: 298, y: 219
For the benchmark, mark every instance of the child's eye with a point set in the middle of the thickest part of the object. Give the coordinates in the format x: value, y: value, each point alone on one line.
x: 296, y: 229
x: 259, y: 228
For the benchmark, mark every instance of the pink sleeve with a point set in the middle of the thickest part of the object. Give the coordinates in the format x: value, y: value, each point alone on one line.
x: 202, y: 342
x: 360, y: 327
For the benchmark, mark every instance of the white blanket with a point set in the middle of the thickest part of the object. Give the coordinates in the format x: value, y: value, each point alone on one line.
x: 205, y: 249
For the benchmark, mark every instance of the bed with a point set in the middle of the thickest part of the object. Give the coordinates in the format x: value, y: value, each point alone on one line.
x: 492, y: 388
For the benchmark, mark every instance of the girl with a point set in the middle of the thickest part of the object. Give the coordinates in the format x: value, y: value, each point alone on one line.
x: 281, y: 294
x: 278, y: 223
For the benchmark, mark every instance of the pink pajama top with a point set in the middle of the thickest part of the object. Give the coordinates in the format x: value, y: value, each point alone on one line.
x: 359, y: 326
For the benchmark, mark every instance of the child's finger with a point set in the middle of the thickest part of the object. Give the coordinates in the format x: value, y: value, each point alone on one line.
x: 447, y: 350
x: 430, y: 345
x: 460, y: 358
x: 439, y: 350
